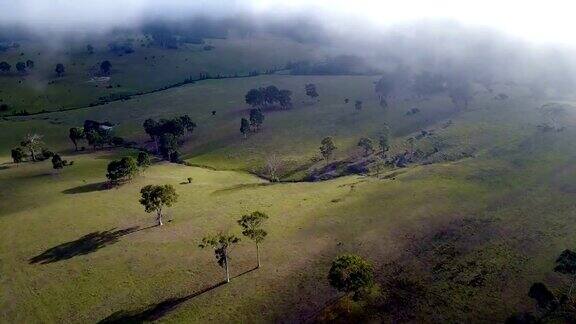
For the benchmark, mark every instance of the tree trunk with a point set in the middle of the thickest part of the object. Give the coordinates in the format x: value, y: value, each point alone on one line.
x: 571, y: 286
x: 258, y: 255
x: 159, y: 217
x: 33, y: 155
x: 226, y: 266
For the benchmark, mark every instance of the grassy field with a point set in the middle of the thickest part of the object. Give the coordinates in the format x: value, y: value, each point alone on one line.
x: 146, y: 69
x: 470, y: 235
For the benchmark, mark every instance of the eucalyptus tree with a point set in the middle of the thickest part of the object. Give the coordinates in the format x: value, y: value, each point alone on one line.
x: 252, y: 228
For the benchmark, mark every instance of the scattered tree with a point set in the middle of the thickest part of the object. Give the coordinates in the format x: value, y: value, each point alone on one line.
x: 460, y: 93
x: 76, y: 134
x: 265, y: 97
x: 366, y: 145
x: 256, y: 119
x: 351, y: 274
x: 244, y: 127
x: 5, y: 67
x: 30, y: 64
x: 122, y: 170
x: 273, y: 165
x: 327, y: 148
x: 221, y: 243
x: 57, y: 162
x: 155, y: 197
x: 311, y: 90
x: 566, y: 264
x: 105, y: 67
x: 59, y: 69
x: 252, y: 228
x: 544, y: 297
x: 90, y: 49
x: 358, y: 105
x: 33, y: 143
x: 21, y: 67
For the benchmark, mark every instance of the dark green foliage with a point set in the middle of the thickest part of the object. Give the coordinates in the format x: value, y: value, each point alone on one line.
x: 57, y: 162
x: 143, y: 160
x: 327, y: 147
x: 366, y: 145
x: 5, y: 67
x: 566, y: 262
x: 30, y: 64
x: 266, y: 97
x: 256, y: 119
x: 155, y: 197
x: 521, y: 318
x: 122, y: 170
x: 75, y: 134
x: 351, y: 274
x: 21, y: 67
x: 244, y: 127
x: 166, y: 133
x: 168, y: 146
x: 59, y: 69
x: 95, y: 139
x: 105, y: 67
x: 18, y: 155
x: 542, y: 295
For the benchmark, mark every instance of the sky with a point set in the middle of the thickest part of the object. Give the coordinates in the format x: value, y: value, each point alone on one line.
x: 548, y: 21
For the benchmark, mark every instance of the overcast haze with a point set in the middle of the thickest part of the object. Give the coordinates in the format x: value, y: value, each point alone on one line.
x: 542, y: 21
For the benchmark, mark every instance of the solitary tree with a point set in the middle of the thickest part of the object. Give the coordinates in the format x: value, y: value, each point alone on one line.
x: 18, y: 155
x: 30, y: 64
x: 351, y: 274
x: 383, y: 142
x: 121, y: 170
x: 327, y: 148
x: 358, y: 105
x: 155, y: 197
x: 244, y: 127
x: 5, y: 66
x: 59, y: 69
x: 221, y: 243
x: 75, y: 134
x: 21, y: 67
x: 273, y: 166
x: 311, y: 90
x: 252, y: 228
x: 366, y: 145
x: 32, y: 142
x: 105, y: 67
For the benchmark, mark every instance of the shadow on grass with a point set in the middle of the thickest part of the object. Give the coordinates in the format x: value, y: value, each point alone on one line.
x: 99, y: 186
x: 154, y: 312
x: 87, y: 244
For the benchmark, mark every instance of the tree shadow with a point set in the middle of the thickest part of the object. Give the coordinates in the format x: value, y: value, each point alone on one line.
x: 87, y: 244
x: 154, y: 312
x: 91, y: 187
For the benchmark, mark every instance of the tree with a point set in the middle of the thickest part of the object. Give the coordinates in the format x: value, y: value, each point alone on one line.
x: 105, y: 67
x: 33, y: 143
x: 187, y: 124
x: 59, y: 69
x: 90, y: 49
x: 327, y: 148
x: 310, y: 89
x: 75, y: 134
x: 169, y: 147
x: 358, y: 105
x: 5, y: 67
x: 151, y: 128
x: 252, y: 228
x: 254, y: 98
x: 566, y: 264
x: 273, y: 165
x: 256, y: 119
x: 384, y: 142
x: 544, y: 297
x: 18, y: 155
x: 143, y: 159
x: 366, y: 144
x: 30, y: 64
x: 21, y: 67
x: 121, y: 170
x: 95, y: 139
x: 385, y: 86
x: 221, y: 243
x: 351, y: 274
x: 57, y: 162
x: 155, y: 197
x: 244, y: 127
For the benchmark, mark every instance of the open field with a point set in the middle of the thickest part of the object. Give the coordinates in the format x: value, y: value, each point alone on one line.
x: 475, y: 233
